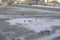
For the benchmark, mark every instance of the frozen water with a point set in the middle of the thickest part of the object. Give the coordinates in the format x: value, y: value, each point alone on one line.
x: 35, y: 24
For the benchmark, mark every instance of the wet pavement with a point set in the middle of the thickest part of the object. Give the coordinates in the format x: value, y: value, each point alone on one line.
x: 11, y: 32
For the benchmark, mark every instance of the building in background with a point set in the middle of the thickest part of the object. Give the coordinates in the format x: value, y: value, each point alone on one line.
x: 49, y: 1
x: 52, y: 2
x: 3, y: 1
x: 23, y: 0
x: 36, y: 1
x: 0, y: 1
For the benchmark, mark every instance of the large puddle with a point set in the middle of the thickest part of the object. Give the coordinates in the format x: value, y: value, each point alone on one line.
x: 35, y: 24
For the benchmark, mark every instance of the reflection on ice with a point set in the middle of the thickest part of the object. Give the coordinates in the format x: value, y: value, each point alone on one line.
x: 35, y: 24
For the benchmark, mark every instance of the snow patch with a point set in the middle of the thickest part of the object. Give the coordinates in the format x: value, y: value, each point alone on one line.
x: 35, y: 24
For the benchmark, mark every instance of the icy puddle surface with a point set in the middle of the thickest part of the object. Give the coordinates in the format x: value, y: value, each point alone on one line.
x: 35, y: 24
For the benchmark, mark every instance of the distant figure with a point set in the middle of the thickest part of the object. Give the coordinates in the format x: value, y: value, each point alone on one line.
x: 29, y: 20
x: 24, y: 20
x: 22, y: 14
x: 13, y: 39
x: 45, y: 32
x: 18, y: 39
